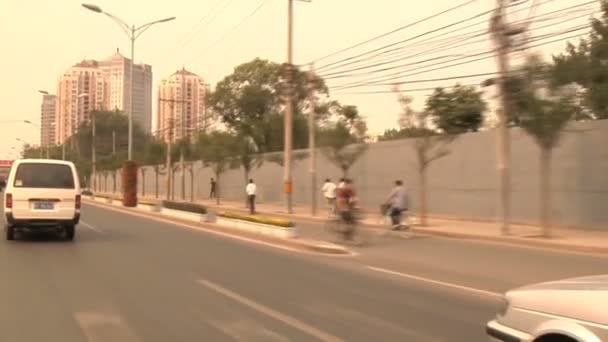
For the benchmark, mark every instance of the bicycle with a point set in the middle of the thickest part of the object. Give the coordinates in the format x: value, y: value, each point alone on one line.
x: 345, y: 226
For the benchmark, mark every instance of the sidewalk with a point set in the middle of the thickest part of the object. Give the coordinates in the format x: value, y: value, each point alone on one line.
x: 569, y: 239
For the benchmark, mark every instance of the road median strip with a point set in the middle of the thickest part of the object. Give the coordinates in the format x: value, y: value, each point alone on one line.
x: 208, y: 222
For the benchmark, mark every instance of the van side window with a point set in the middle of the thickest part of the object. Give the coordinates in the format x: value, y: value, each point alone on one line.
x: 41, y: 175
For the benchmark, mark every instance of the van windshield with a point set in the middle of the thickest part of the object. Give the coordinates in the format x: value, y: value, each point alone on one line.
x: 41, y: 175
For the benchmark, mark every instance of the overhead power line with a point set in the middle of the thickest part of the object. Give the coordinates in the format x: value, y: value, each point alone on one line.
x: 232, y: 29
x: 390, y: 64
x: 412, y: 90
x: 447, y: 41
x: 397, y: 30
x: 212, y: 15
x: 392, y: 79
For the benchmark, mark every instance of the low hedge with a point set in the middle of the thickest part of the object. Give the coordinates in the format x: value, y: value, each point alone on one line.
x: 112, y: 197
x: 87, y: 193
x: 147, y: 202
x: 185, y: 206
x: 274, y: 221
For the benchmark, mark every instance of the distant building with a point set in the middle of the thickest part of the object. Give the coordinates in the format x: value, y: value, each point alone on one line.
x: 116, y: 73
x: 102, y: 85
x: 48, y: 112
x: 181, y: 105
x: 81, y: 89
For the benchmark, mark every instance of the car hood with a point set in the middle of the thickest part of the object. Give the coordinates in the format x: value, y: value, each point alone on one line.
x: 589, y: 283
x: 583, y: 298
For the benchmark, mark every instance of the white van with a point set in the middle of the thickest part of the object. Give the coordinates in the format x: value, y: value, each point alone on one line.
x: 42, y: 194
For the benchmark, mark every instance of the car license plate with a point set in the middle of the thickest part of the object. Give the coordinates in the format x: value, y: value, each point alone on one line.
x: 44, y: 205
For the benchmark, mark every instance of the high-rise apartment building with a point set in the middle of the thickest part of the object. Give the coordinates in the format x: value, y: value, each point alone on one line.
x: 81, y: 89
x: 116, y: 72
x: 94, y: 85
x: 181, y: 106
x: 48, y: 112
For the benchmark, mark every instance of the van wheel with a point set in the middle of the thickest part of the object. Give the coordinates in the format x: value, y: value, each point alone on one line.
x: 10, y: 233
x: 70, y: 231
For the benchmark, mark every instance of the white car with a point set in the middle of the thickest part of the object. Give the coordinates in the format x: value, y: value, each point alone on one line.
x: 42, y: 195
x: 571, y: 310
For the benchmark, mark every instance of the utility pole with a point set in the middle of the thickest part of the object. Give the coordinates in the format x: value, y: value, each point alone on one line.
x: 287, y: 171
x: 169, y: 163
x: 312, y: 143
x: 183, y: 129
x: 93, y: 158
x: 501, y: 33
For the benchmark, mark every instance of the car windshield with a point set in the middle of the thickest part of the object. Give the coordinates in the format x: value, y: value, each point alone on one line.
x: 40, y: 175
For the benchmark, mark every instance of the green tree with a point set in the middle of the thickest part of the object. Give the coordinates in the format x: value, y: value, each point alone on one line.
x: 457, y: 110
x: 585, y: 64
x: 428, y: 144
x: 343, y: 140
x: 216, y: 150
x: 154, y: 156
x: 543, y: 112
x: 250, y: 99
x: 187, y: 149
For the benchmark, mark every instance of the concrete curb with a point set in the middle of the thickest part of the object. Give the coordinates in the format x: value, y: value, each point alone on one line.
x: 303, y: 244
x: 514, y: 241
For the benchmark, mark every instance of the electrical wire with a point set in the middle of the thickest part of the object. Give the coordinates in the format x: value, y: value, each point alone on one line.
x: 191, y: 32
x: 460, y: 38
x: 449, y: 46
x: 396, y: 30
x: 343, y: 61
x: 231, y: 30
x: 226, y: 3
x: 484, y: 55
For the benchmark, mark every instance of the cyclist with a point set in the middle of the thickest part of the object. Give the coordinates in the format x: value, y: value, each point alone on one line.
x: 347, y: 202
x: 398, y: 201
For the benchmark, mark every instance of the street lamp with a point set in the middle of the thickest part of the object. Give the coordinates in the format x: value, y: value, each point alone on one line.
x: 133, y: 33
x: 29, y: 144
x: 38, y: 127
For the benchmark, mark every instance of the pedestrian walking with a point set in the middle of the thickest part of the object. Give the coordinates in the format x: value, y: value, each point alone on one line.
x: 213, y: 191
x: 251, y: 189
x: 329, y: 192
x: 398, y: 201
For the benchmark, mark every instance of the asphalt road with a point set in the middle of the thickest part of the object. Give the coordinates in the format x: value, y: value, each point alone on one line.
x: 130, y: 278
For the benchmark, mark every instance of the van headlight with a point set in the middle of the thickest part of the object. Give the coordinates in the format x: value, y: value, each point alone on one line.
x: 504, y: 306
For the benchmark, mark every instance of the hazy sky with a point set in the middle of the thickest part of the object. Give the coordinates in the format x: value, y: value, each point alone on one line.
x: 42, y: 38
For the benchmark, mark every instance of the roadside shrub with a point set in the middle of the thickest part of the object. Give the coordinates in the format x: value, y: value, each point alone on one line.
x: 147, y: 202
x: 273, y: 221
x: 87, y: 192
x: 185, y: 206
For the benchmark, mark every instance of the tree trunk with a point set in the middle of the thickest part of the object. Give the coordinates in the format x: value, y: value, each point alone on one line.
x: 173, y: 185
x: 114, y: 182
x: 156, y: 183
x: 192, y: 183
x: 143, y: 182
x: 217, y: 188
x: 423, y: 195
x: 545, y: 191
x: 246, y: 182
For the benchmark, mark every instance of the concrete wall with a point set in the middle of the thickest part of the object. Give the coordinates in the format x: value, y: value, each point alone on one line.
x: 462, y: 185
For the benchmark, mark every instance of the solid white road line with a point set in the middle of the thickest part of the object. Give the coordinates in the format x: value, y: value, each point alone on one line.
x: 104, y: 326
x: 91, y: 227
x: 215, y: 232
x: 436, y: 282
x: 281, y: 317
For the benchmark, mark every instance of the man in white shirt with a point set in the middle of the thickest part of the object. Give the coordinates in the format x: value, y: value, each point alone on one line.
x: 250, y: 189
x: 329, y: 191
